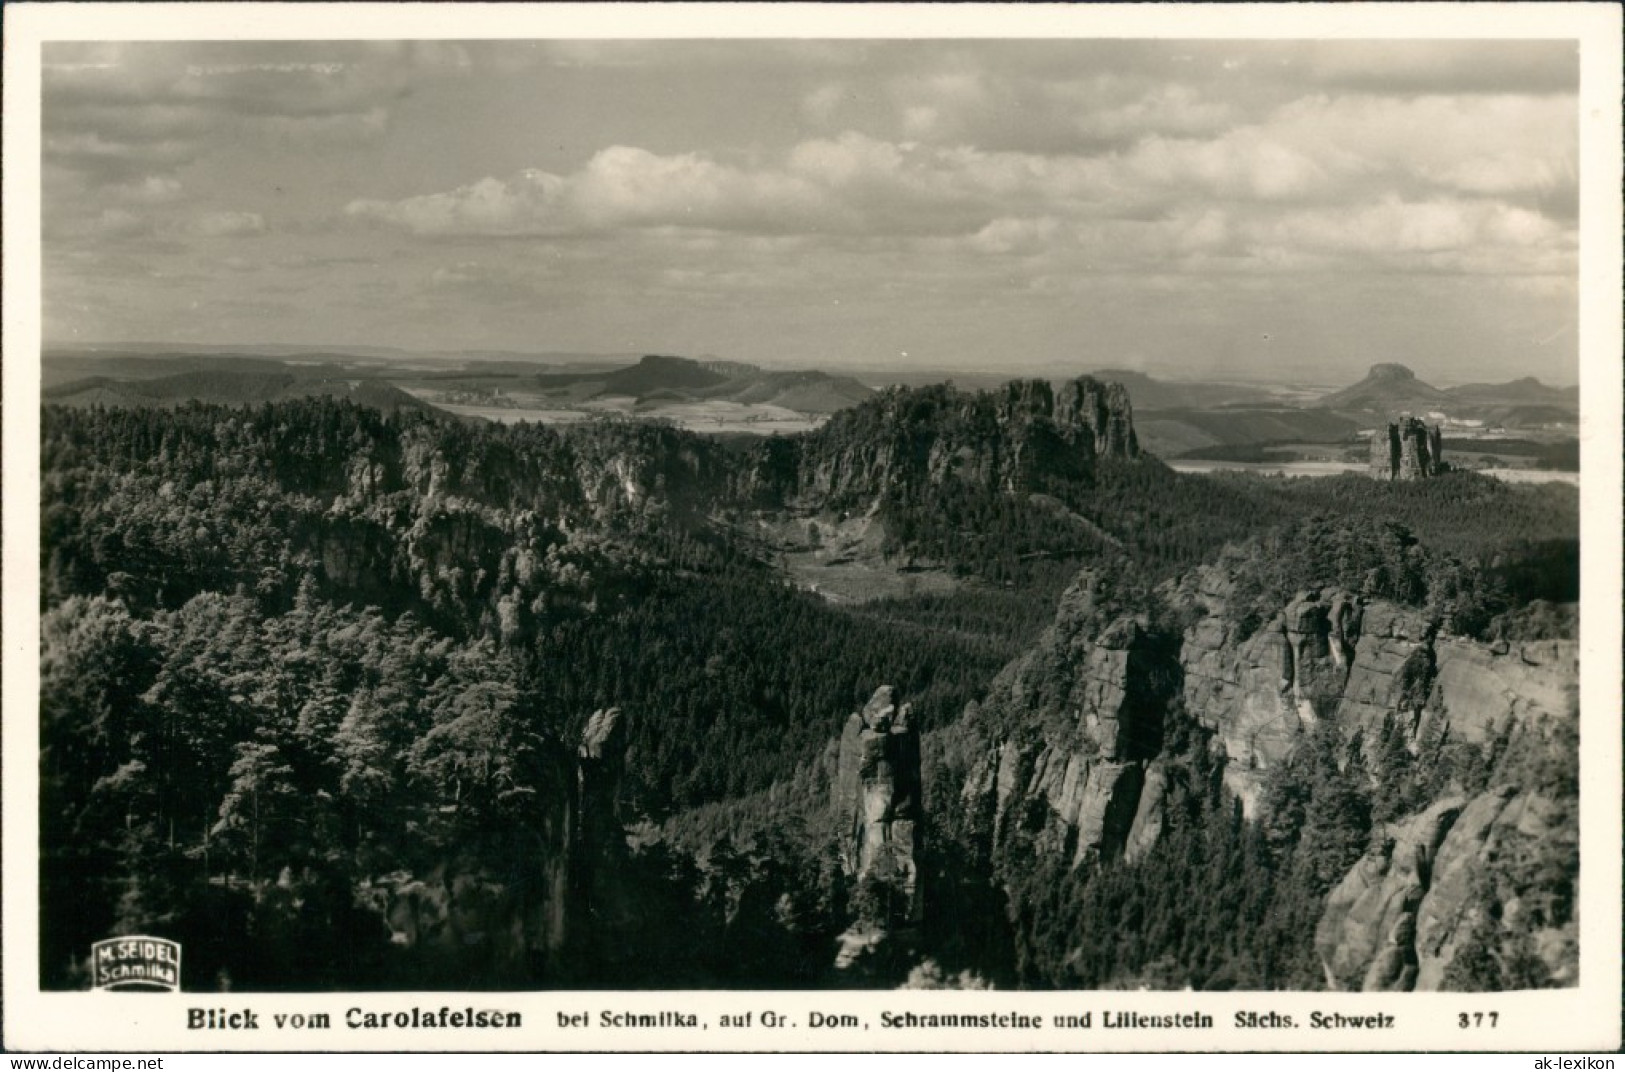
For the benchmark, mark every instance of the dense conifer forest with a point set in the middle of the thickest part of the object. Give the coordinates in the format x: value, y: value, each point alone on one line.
x: 297, y: 654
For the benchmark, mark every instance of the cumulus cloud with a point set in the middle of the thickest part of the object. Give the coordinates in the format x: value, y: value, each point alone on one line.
x: 490, y: 282
x: 526, y: 204
x: 1065, y: 115
x: 1454, y: 67
x: 109, y: 223
x: 227, y: 224
x: 1010, y: 235
x: 851, y: 184
x: 486, y: 207
x: 632, y: 186
x: 1467, y: 141
x: 1246, y: 163
x: 619, y: 187
x: 1442, y: 235
x: 248, y: 77
x: 112, y: 160
x: 142, y: 217
x: 149, y: 190
x: 1317, y: 168
x: 877, y: 178
x: 116, y: 110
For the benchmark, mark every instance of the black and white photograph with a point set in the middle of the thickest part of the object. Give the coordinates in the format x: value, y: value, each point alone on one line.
x: 1033, y: 514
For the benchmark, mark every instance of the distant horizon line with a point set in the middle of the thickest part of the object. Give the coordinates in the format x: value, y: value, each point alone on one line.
x: 136, y: 348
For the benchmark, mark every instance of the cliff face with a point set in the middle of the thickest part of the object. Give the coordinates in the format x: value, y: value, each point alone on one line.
x: 529, y: 921
x: 482, y: 526
x: 1100, y: 411
x: 1325, y: 655
x: 1074, y: 730
x: 1076, y: 765
x: 876, y: 801
x: 1330, y: 654
x: 1438, y: 883
x: 1004, y: 440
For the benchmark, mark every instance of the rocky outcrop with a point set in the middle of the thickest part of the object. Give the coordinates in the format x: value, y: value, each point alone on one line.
x: 1075, y: 728
x: 1367, y: 936
x: 529, y: 921
x: 877, y: 802
x: 1330, y: 654
x: 1393, y: 668
x: 599, y: 838
x: 1438, y: 880
x: 1102, y: 412
x: 1148, y: 814
x: 1425, y: 890
x: 1012, y: 440
x: 1484, y: 693
x: 601, y: 760
x: 1066, y: 760
x: 600, y: 907
x: 1408, y: 450
x: 1260, y: 692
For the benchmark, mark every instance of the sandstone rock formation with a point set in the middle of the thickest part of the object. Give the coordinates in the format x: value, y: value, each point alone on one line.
x: 524, y: 923
x: 905, y: 438
x: 601, y: 758
x: 1367, y: 935
x: 876, y: 800
x: 1076, y: 727
x: 1408, y: 450
x: 1398, y: 919
x: 1102, y: 410
x: 1403, y: 913
x: 1066, y: 759
x: 1357, y: 662
x: 1259, y: 693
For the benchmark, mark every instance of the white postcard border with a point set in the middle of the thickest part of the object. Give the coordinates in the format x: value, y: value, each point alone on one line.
x: 1586, y: 1018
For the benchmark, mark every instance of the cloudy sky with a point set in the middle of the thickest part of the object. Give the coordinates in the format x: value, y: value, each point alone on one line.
x: 1196, y: 208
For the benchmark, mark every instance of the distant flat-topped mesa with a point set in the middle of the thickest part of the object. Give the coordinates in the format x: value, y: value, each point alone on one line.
x: 1408, y: 450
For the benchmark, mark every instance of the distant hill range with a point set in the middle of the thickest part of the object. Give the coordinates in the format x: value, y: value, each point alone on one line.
x: 1150, y: 393
x: 1174, y: 418
x: 661, y: 379
x: 1387, y: 388
x: 134, y: 377
x: 1173, y: 432
x: 1525, y: 392
x: 1177, y: 417
x: 227, y: 388
x: 1524, y: 403
x: 1210, y: 420
x: 1390, y: 389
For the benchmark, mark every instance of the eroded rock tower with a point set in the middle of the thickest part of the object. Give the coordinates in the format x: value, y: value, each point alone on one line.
x: 1407, y: 450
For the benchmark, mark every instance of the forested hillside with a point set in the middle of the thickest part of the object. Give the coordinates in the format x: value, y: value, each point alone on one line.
x: 324, y: 689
